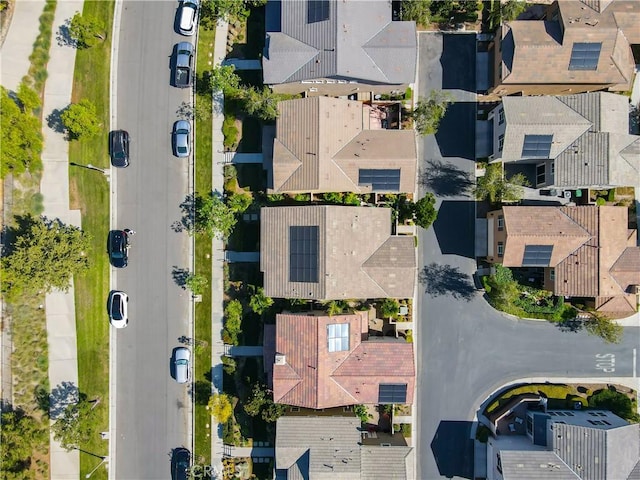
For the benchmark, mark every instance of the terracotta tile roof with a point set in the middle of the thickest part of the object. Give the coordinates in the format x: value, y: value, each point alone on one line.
x: 313, y: 377
x: 593, y: 253
x: 323, y: 142
x: 548, y: 44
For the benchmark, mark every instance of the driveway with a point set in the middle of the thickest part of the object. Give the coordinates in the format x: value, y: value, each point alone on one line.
x: 153, y: 414
x: 467, y: 349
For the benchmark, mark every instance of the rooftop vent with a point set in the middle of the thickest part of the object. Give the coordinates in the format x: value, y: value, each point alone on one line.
x: 280, y: 359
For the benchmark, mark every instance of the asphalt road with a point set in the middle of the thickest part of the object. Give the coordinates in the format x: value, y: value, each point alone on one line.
x: 467, y: 349
x: 153, y: 411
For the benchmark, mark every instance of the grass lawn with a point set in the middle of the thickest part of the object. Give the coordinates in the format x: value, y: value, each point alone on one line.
x: 202, y: 367
x: 557, y: 395
x: 89, y: 192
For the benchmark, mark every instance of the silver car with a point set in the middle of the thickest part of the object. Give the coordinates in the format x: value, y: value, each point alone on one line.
x: 117, y: 308
x: 187, y: 17
x: 181, y: 138
x: 181, y: 361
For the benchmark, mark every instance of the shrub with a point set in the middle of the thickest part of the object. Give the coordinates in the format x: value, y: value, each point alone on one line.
x: 351, y: 199
x: 611, y: 196
x: 230, y: 132
x: 275, y: 197
x: 600, y: 201
x: 232, y: 322
x: 196, y: 283
x: 409, y: 336
x: 228, y: 364
x: 81, y: 119
x: 239, y: 202
x: 333, y: 197
x: 389, y: 308
x: 220, y: 407
x: 361, y: 412
x: 302, y: 197
x: 616, y: 402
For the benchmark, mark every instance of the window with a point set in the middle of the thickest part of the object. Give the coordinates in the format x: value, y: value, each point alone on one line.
x: 317, y: 11
x: 553, y: 168
x: 553, y: 414
x: 501, y: 116
x: 570, y: 414
x: 500, y: 249
x: 387, y: 180
x: 602, y: 414
x: 552, y: 274
x: 500, y: 223
x: 596, y: 422
x: 500, y: 142
x: 529, y: 425
x: 338, y: 337
x: 392, y: 393
x: 537, y: 146
x: 537, y: 255
x: 585, y: 56
x: 593, y: 414
x: 303, y: 254
x: 294, y: 409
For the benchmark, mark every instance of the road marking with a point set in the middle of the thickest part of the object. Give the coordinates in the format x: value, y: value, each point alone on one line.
x: 606, y: 362
x: 634, y: 362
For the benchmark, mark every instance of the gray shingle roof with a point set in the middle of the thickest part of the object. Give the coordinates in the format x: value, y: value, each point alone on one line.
x: 358, y: 41
x: 534, y: 465
x: 318, y: 448
x: 348, y: 266
x: 591, y: 144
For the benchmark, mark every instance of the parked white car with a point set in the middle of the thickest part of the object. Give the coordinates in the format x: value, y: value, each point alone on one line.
x: 188, y: 17
x: 181, y: 362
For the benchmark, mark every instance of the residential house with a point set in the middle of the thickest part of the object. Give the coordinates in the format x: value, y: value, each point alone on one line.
x: 570, y: 141
x: 332, y: 252
x: 337, y: 47
x: 585, y: 252
x: 328, y: 448
x: 578, y: 46
x: 323, y: 361
x: 565, y: 445
x: 326, y: 144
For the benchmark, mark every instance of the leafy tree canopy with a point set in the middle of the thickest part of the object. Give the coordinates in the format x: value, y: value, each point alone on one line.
x: 213, y: 217
x: 389, y: 308
x: 224, y: 78
x: 602, y: 326
x: 196, y: 283
x: 19, y: 435
x: 416, y: 10
x: 495, y: 188
x: 77, y: 425
x: 43, y: 254
x: 220, y: 407
x: 425, y: 212
x: 616, y: 402
x: 20, y: 135
x: 429, y: 111
x: 259, y: 302
x: 86, y: 30
x: 81, y: 119
x: 262, y: 103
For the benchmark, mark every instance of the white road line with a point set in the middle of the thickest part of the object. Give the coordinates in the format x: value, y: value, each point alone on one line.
x: 634, y: 362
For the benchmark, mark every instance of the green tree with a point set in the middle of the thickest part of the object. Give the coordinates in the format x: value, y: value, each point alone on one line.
x: 232, y: 322
x: 416, y: 10
x: 259, y: 302
x: 20, y: 135
x: 616, y: 402
x: 256, y: 400
x: 505, y: 12
x: 389, y: 308
x: 335, y: 307
x: 494, y: 187
x: 212, y: 217
x: 504, y: 290
x: 272, y: 411
x: 239, y: 202
x: 220, y: 407
x: 428, y: 111
x: 261, y: 103
x: 44, y: 254
x: 602, y: 326
x: 81, y: 119
x: 224, y: 78
x: 196, y: 283
x: 351, y: 198
x: 228, y: 364
x: 77, y: 425
x: 333, y: 197
x: 425, y: 212
x: 86, y: 30
x: 19, y: 435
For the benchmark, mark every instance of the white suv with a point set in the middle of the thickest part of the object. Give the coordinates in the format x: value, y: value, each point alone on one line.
x: 187, y: 17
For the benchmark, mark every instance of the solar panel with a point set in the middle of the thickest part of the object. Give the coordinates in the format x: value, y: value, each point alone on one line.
x: 317, y: 10
x: 392, y: 393
x: 303, y: 254
x: 387, y: 180
x: 537, y: 255
x: 585, y: 56
x: 538, y: 146
x: 338, y: 337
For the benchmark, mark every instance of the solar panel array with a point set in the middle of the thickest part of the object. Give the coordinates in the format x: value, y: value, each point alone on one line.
x: 387, y: 180
x: 303, y: 254
x: 585, y: 56
x: 338, y: 337
x: 537, y: 255
x: 392, y: 393
x: 538, y: 146
x: 317, y: 10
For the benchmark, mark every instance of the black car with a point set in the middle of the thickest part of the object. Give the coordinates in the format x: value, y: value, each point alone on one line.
x: 118, y: 248
x: 119, y: 148
x: 180, y: 463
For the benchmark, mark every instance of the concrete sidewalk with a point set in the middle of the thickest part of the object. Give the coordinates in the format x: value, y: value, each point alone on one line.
x: 217, y: 258
x: 54, y: 186
x: 18, y: 45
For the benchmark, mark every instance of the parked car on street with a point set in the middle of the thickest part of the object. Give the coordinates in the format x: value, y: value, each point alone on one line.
x: 181, y: 364
x: 180, y: 463
x: 183, y: 69
x: 118, y: 248
x: 187, y: 19
x: 119, y: 148
x: 117, y: 308
x: 181, y: 138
